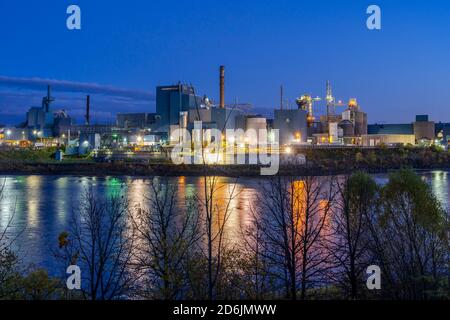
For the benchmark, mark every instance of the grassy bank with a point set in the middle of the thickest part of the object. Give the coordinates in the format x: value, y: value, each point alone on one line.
x: 319, y: 162
x: 378, y: 159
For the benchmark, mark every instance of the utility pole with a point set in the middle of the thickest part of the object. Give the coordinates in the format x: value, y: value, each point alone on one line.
x: 281, y: 97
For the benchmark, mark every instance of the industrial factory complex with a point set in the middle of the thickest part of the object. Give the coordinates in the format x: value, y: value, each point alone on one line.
x: 179, y: 107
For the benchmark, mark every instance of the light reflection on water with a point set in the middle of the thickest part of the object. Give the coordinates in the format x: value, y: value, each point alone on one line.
x: 439, y: 184
x: 41, y: 205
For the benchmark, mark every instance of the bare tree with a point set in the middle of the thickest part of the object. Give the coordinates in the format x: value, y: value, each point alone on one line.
x: 165, y: 233
x: 100, y: 242
x: 258, y: 280
x: 214, y: 214
x: 294, y: 214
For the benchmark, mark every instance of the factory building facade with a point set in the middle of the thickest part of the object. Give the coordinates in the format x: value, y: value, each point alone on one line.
x: 292, y: 125
x: 173, y: 100
x: 137, y: 120
x: 178, y: 107
x: 374, y: 140
x: 422, y: 130
x: 44, y: 122
x: 218, y: 118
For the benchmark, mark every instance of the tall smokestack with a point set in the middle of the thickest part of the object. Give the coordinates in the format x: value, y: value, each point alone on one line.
x: 48, y: 99
x: 88, y: 107
x: 222, y: 86
x: 49, y: 92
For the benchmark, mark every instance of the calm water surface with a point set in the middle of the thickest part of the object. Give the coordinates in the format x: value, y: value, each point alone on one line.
x: 40, y: 206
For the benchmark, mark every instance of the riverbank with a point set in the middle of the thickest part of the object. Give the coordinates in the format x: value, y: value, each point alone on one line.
x: 140, y: 169
x: 319, y: 162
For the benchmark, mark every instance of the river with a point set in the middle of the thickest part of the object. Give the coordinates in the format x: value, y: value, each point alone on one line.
x: 40, y: 206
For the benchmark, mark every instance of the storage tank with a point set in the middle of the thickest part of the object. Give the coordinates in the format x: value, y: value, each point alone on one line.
x: 256, y: 126
x: 347, y: 127
x: 256, y: 123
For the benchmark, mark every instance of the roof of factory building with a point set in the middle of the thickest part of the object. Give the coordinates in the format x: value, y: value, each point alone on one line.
x: 421, y: 118
x: 255, y: 116
x: 402, y: 128
x: 442, y: 125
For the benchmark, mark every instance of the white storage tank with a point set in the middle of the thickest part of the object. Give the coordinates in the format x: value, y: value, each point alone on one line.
x: 256, y: 130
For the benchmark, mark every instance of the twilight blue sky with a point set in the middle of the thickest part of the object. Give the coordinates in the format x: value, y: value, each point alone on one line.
x: 126, y: 48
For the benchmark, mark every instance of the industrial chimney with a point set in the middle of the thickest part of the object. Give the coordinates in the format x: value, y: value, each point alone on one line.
x: 222, y: 87
x: 47, y: 100
x: 88, y: 107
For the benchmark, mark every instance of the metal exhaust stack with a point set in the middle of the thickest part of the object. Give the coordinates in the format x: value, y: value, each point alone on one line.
x: 88, y: 107
x: 222, y: 87
x: 48, y: 99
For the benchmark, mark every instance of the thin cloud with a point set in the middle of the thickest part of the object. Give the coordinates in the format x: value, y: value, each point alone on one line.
x: 72, y: 86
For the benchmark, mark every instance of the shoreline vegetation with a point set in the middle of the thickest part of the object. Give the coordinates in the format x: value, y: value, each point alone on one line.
x: 318, y: 162
x: 307, y: 239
